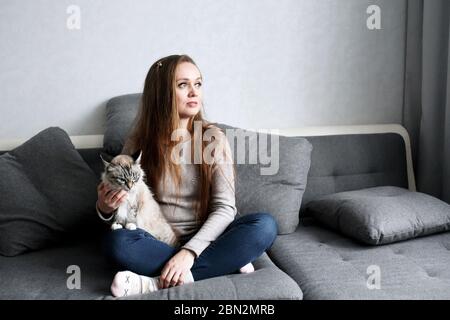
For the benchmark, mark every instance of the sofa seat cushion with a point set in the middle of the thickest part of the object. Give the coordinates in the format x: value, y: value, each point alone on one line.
x: 44, y: 275
x: 268, y: 282
x: 327, y: 265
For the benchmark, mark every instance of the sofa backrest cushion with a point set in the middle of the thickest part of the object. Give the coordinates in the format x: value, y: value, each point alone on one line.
x: 275, y: 180
x: 355, y: 161
x: 120, y: 114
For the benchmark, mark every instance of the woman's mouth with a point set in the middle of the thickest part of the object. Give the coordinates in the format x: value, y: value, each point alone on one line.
x: 192, y: 104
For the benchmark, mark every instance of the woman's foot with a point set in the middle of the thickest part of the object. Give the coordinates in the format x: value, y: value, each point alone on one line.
x: 127, y: 283
x: 248, y: 268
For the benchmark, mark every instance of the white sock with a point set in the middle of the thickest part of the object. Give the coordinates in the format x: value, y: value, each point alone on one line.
x: 248, y: 268
x: 189, y: 278
x: 127, y: 283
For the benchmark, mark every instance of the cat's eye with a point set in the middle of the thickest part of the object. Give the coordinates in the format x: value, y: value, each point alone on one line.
x: 120, y: 180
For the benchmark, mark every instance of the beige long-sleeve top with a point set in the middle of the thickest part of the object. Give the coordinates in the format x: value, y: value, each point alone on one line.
x: 179, y: 208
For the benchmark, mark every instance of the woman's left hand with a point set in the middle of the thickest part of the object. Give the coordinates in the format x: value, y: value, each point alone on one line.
x: 176, y: 268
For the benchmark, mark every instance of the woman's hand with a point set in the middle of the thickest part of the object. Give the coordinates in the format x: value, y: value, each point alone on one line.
x: 175, y: 270
x: 108, y: 199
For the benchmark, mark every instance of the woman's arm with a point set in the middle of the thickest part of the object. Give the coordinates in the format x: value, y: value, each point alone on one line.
x: 222, y: 202
x: 222, y: 212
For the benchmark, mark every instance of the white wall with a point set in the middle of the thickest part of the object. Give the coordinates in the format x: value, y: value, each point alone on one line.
x: 266, y: 63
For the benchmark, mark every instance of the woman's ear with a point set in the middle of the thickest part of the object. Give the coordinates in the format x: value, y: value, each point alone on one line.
x: 137, y: 156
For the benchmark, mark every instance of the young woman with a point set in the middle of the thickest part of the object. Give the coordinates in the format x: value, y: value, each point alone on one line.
x: 197, y: 198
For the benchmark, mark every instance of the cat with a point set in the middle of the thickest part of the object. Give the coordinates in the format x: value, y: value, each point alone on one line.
x: 140, y: 210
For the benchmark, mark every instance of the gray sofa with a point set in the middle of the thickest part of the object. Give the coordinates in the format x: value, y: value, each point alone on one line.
x: 313, y: 262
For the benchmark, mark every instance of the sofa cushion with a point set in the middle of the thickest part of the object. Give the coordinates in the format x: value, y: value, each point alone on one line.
x: 275, y: 187
x: 52, y: 273
x: 120, y: 114
x: 347, y: 162
x: 382, y: 215
x: 327, y: 265
x: 72, y: 269
x: 47, y: 191
x: 268, y: 282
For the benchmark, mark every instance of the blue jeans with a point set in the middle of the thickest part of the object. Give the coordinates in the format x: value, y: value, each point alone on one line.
x: 245, y: 239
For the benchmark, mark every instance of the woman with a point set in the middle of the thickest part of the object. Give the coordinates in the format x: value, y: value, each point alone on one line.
x: 197, y: 199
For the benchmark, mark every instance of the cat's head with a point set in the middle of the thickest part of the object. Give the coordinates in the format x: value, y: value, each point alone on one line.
x: 123, y: 171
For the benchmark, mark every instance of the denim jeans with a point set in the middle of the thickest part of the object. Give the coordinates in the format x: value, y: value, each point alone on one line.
x: 244, y: 240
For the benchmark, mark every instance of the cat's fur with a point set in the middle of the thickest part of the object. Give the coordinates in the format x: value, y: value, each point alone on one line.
x: 140, y: 209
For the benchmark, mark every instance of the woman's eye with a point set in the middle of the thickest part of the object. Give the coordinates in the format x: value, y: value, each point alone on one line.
x: 184, y: 84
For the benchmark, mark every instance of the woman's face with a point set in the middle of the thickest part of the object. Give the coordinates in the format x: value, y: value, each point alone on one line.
x: 188, y: 91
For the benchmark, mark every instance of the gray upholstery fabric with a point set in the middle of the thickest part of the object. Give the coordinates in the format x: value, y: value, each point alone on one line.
x: 350, y: 162
x: 279, y: 194
x: 267, y: 283
x: 43, y: 275
x: 93, y: 160
x: 120, y: 114
x: 329, y: 266
x: 47, y: 191
x: 382, y: 215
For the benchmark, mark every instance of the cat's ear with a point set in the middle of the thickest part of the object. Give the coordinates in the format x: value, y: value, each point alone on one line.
x: 105, y: 162
x: 137, y: 156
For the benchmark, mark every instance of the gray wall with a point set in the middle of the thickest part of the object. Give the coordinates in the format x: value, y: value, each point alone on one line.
x: 266, y: 63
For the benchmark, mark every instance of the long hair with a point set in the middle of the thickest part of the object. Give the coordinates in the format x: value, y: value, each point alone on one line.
x: 157, y: 118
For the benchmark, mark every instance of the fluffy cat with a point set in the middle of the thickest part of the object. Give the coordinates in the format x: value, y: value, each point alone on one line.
x: 140, y: 209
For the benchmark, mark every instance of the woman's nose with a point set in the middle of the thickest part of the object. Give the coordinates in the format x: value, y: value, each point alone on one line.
x: 193, y: 91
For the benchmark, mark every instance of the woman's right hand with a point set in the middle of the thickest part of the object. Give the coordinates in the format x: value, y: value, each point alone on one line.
x: 109, y: 199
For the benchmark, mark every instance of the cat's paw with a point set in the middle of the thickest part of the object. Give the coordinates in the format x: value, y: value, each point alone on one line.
x: 130, y: 226
x: 116, y: 226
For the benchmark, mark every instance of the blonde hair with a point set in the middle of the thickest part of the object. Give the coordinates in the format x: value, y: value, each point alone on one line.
x: 157, y: 118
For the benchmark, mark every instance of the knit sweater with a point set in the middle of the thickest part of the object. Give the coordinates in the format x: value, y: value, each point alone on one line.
x: 178, y: 208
